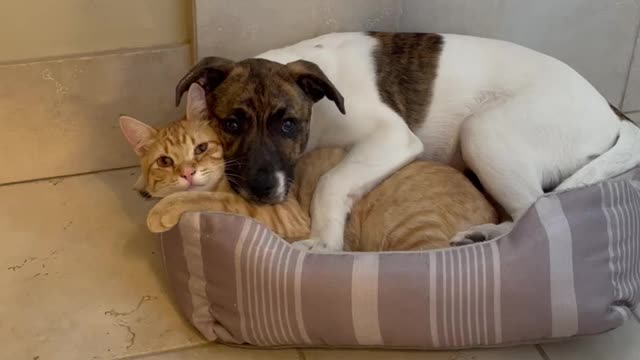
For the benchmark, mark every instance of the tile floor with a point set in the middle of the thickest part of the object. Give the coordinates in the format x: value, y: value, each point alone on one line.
x: 82, y: 279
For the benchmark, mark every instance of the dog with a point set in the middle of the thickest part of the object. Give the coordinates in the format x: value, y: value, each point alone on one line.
x: 523, y: 122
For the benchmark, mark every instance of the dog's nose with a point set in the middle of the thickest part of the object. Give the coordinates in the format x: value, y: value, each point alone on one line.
x: 263, y: 184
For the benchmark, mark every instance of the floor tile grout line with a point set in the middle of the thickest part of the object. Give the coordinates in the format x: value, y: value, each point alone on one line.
x: 68, y: 175
x: 161, y: 352
x: 542, y: 353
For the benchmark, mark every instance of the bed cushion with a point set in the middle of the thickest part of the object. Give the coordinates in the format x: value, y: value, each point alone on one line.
x: 569, y: 267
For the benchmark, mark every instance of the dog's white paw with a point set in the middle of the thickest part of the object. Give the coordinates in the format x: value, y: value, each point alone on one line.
x: 311, y: 245
x: 480, y: 233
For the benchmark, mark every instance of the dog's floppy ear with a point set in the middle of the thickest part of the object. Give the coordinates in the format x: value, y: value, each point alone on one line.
x: 315, y: 83
x: 209, y: 73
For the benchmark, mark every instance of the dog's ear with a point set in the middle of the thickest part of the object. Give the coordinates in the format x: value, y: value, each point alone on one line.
x: 315, y: 83
x: 196, y: 103
x: 209, y: 73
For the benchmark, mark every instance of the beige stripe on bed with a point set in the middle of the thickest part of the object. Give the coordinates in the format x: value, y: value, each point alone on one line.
x: 298, y: 297
x: 433, y: 296
x: 364, y: 299
x: 468, y: 298
x: 237, y: 259
x: 446, y: 312
x: 564, y: 307
x: 497, y: 292
x: 256, y: 287
x: 190, y: 230
x: 263, y: 284
x: 484, y: 297
x: 291, y: 338
x: 250, y: 288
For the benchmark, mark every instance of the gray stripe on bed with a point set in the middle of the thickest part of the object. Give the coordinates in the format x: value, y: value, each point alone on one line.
x: 325, y: 288
x: 526, y: 280
x: 403, y: 299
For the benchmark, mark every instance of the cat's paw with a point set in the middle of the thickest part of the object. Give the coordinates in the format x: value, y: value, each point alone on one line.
x: 480, y: 233
x: 311, y: 245
x: 162, y: 218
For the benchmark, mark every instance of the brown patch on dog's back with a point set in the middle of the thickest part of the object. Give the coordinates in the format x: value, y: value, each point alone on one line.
x: 406, y: 69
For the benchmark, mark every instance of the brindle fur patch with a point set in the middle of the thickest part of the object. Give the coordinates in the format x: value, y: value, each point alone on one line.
x: 406, y: 69
x: 263, y: 93
x: 259, y: 97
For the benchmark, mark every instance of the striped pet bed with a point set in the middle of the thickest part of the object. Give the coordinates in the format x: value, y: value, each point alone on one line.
x: 570, y: 267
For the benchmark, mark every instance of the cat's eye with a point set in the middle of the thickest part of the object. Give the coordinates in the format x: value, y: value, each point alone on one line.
x: 201, y: 148
x: 231, y: 125
x: 164, y: 161
x: 288, y: 126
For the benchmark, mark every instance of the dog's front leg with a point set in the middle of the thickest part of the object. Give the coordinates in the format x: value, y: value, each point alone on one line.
x: 367, y: 163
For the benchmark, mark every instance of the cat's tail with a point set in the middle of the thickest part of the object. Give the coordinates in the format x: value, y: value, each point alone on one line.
x: 623, y: 156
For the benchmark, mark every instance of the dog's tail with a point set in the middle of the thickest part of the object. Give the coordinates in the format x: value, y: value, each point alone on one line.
x: 623, y: 156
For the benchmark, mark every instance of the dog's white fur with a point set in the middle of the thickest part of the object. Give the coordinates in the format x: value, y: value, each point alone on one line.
x: 521, y: 120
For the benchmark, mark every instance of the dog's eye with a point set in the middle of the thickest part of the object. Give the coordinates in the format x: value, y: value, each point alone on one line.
x: 288, y: 126
x: 164, y: 161
x: 201, y: 148
x: 231, y: 126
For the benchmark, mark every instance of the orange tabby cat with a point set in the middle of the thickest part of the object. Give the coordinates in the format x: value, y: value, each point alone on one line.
x: 419, y: 207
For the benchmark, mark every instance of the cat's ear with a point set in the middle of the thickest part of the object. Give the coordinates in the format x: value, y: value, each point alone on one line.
x: 137, y: 133
x: 196, y: 103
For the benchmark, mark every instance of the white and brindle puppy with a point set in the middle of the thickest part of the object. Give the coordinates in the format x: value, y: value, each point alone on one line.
x: 522, y: 121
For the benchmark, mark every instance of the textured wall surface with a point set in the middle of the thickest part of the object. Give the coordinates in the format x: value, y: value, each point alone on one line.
x: 43, y: 28
x: 595, y: 37
x: 245, y: 28
x: 58, y: 109
x: 60, y: 117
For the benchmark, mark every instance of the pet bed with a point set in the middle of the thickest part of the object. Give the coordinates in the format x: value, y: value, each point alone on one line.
x: 569, y: 267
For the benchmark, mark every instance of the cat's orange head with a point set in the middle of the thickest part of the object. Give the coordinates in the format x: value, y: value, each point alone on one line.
x: 186, y: 155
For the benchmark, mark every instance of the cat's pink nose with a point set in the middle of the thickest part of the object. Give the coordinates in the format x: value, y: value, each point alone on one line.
x: 187, y: 173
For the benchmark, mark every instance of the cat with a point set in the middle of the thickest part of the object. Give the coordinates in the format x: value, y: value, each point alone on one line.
x: 420, y: 207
